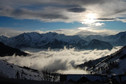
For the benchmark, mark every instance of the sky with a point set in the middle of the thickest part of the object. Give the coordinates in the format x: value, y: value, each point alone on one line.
x: 49, y: 15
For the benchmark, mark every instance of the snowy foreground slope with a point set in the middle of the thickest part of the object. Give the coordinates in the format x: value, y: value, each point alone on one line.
x: 19, y: 75
x: 111, y: 64
x: 12, y: 71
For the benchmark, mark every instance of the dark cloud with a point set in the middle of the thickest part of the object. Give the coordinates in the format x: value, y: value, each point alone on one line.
x: 66, y: 2
x: 88, y: 2
x: 106, y: 18
x: 53, y: 16
x: 38, y: 14
x: 79, y: 2
x: 78, y: 10
x: 119, y: 10
x: 24, y: 13
x: 18, y: 12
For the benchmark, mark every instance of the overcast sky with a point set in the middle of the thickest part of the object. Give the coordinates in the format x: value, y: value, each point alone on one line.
x: 45, y: 15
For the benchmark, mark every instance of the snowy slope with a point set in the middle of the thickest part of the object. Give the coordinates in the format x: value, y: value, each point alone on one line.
x: 112, y: 64
x: 12, y: 71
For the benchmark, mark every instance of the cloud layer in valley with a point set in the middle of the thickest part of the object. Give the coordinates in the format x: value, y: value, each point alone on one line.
x: 62, y: 61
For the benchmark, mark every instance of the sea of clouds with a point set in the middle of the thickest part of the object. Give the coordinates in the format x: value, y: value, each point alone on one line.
x: 61, y: 61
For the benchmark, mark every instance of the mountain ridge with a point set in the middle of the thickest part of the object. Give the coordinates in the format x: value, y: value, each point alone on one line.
x: 115, y: 40
x: 49, y: 40
x: 9, y: 51
x: 111, y: 64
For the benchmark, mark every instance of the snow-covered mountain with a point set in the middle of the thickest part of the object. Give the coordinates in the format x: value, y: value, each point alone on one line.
x: 116, y: 40
x: 91, y: 37
x: 37, y: 40
x: 44, y: 41
x: 112, y: 64
x: 97, y: 44
x: 3, y: 38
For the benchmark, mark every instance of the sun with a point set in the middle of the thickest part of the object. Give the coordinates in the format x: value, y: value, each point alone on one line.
x: 90, y: 18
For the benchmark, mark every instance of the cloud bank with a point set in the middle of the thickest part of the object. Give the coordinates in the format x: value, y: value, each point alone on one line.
x: 62, y: 61
x: 9, y: 32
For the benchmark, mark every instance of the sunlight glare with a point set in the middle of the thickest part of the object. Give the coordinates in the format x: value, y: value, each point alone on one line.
x: 90, y: 18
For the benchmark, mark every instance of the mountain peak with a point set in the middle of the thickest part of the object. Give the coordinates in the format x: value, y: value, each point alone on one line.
x: 30, y: 33
x: 97, y: 44
x: 121, y: 33
x: 51, y: 33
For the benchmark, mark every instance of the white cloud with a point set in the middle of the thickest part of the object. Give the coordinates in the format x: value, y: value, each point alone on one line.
x: 85, y: 31
x: 99, y: 24
x: 62, y: 61
x: 9, y: 32
x: 96, y: 31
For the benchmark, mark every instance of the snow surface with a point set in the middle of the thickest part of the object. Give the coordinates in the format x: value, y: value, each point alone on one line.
x: 113, y: 64
x: 8, y: 70
x: 13, y: 71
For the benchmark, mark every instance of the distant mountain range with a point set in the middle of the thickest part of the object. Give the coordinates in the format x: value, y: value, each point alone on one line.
x: 53, y: 40
x: 115, y: 40
x: 93, y: 44
x: 112, y: 64
x: 9, y: 51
